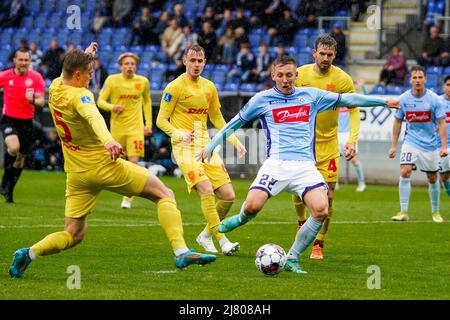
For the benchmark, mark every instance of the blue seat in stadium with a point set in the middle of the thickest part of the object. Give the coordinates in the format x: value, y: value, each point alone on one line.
x: 156, y: 75
x: 231, y: 86
x: 303, y: 58
x: 247, y: 87
x: 218, y: 76
x: 446, y: 71
x: 155, y: 85
x: 146, y: 56
x: 300, y: 40
x: 394, y: 90
x: 209, y: 67
x: 434, y: 70
x: 254, y: 39
x: 222, y: 67
x: 432, y: 80
x: 378, y: 90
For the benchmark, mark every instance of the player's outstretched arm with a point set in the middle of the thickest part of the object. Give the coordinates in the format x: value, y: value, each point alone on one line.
x: 225, y: 132
x: 354, y: 99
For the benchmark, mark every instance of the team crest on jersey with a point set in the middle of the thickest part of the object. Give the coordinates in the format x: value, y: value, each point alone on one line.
x: 331, y: 87
x: 208, y: 96
x: 418, y: 116
x: 29, y: 82
x: 11, y: 82
x: 86, y: 99
x: 291, y: 114
x: 301, y: 99
x: 167, y: 97
x: 138, y: 86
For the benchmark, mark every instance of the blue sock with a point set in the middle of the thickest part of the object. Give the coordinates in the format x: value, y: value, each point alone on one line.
x: 404, y: 187
x: 359, y: 172
x: 305, y: 236
x: 434, y: 189
x: 447, y: 186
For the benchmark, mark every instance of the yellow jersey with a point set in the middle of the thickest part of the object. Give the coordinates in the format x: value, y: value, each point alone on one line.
x: 335, y: 80
x: 134, y: 95
x: 80, y: 127
x: 186, y: 105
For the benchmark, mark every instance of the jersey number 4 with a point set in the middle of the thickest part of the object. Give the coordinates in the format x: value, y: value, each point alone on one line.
x: 59, y: 122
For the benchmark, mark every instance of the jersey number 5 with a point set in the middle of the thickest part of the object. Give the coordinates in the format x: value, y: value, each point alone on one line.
x: 59, y: 122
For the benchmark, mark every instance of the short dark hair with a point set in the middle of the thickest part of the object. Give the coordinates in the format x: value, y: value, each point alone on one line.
x: 418, y: 68
x: 326, y: 40
x: 446, y: 78
x: 23, y: 50
x: 194, y: 47
x: 74, y: 60
x: 284, y: 60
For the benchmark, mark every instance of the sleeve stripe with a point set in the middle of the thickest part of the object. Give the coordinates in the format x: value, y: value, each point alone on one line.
x: 242, y: 119
x: 337, y: 101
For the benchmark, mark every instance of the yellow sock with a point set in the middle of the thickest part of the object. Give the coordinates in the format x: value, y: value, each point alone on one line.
x: 53, y: 243
x: 170, y: 219
x: 300, y: 208
x: 326, y: 224
x: 222, y: 207
x: 208, y: 203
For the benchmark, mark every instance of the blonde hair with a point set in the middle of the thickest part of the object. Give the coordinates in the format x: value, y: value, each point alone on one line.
x: 128, y: 55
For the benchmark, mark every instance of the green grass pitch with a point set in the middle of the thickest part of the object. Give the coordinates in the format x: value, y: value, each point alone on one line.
x: 125, y: 254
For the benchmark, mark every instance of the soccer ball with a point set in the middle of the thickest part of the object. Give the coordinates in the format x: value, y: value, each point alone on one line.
x: 270, y: 259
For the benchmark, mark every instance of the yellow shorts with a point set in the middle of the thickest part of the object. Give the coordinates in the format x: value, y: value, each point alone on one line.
x: 133, y: 143
x: 195, y: 172
x: 83, y: 188
x: 329, y: 169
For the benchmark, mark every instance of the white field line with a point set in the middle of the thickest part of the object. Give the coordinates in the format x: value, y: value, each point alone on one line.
x: 154, y: 224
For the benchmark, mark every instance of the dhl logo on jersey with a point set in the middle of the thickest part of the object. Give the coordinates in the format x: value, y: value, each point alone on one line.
x: 128, y: 96
x: 197, y: 111
x: 418, y: 116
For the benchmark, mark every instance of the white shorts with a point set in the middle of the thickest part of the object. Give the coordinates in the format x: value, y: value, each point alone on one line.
x: 427, y: 161
x: 343, y: 139
x: 293, y: 176
x: 444, y: 164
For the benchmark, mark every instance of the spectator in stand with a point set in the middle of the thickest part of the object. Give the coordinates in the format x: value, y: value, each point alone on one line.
x: 168, y: 40
x: 245, y: 63
x: 432, y: 48
x: 284, y: 31
x: 208, y: 40
x: 228, y: 46
x: 121, y: 13
x: 341, y: 49
x: 273, y: 13
x: 178, y: 14
x: 162, y: 24
x: 23, y: 44
x: 154, y: 5
x: 357, y: 7
x: 103, y: 16
x: 54, y: 160
x: 36, y: 57
x: 184, y: 41
x: 306, y: 14
x: 52, y: 60
x: 395, y: 69
x: 172, y: 74
x: 99, y: 76
x: 225, y: 22
x: 257, y: 10
x: 14, y: 16
x: 280, y: 50
x: 240, y: 37
x: 263, y: 62
x: 240, y: 21
x: 207, y: 16
x: 143, y: 28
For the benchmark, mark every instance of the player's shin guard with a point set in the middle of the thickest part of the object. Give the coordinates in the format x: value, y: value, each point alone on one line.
x: 404, y: 188
x: 446, y: 185
x: 53, y: 243
x: 222, y: 208
x: 170, y: 219
x: 305, y: 236
x: 300, y: 208
x: 434, y: 190
x: 208, y: 204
